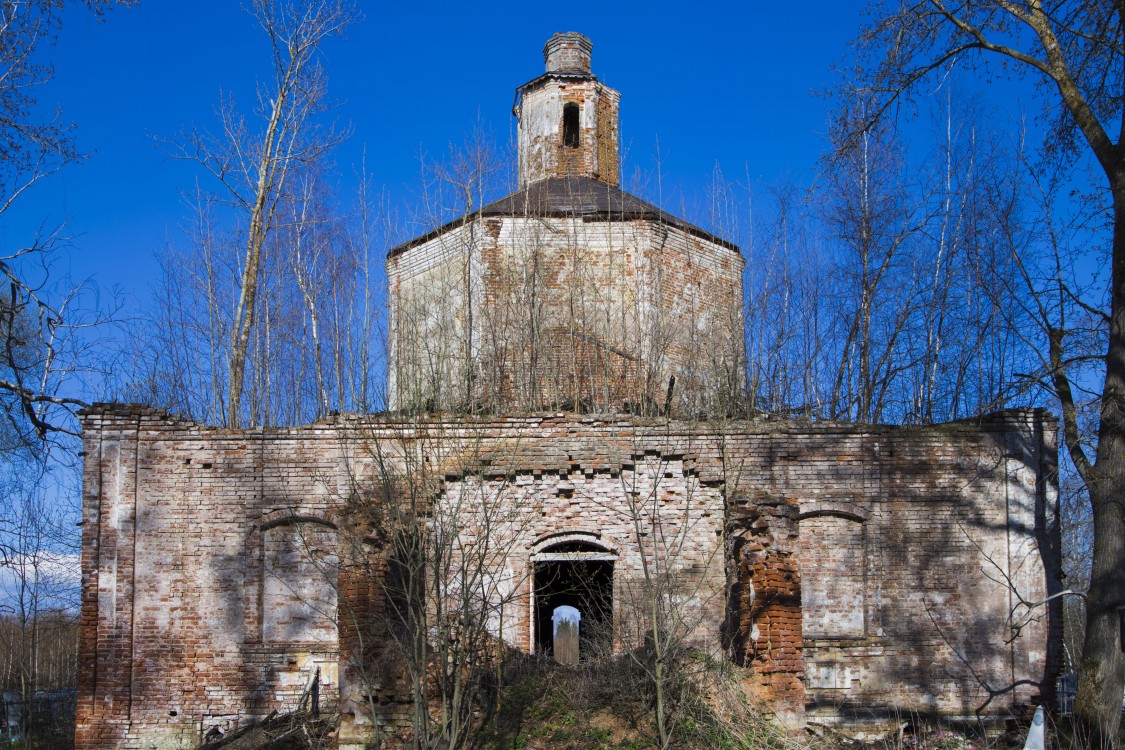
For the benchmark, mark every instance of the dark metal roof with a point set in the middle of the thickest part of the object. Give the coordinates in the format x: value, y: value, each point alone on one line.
x: 568, y: 75
x: 578, y: 197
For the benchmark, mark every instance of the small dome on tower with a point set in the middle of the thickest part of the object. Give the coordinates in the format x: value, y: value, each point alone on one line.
x: 569, y: 52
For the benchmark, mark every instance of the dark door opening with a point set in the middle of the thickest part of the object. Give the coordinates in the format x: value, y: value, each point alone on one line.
x: 568, y: 580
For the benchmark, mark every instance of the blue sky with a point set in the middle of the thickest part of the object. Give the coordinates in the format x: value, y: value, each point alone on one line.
x: 734, y: 84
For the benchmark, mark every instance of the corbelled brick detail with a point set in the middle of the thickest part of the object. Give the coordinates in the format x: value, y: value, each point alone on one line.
x: 189, y: 532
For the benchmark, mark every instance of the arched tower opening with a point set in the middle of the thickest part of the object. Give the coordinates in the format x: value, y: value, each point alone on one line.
x: 570, y: 95
x: 573, y: 585
x: 571, y: 136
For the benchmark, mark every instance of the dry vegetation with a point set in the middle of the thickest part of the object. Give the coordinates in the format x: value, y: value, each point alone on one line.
x: 607, y: 705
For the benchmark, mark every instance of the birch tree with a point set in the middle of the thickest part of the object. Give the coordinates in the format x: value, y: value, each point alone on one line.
x: 255, y: 162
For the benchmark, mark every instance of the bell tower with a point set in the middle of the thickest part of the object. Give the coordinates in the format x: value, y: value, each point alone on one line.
x: 567, y: 118
x: 569, y: 293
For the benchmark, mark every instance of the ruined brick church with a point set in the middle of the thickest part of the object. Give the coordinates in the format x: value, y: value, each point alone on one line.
x: 565, y: 363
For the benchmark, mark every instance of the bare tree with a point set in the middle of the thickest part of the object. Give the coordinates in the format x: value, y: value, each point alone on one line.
x: 786, y: 291
x: 1072, y: 52
x: 316, y: 349
x: 431, y: 531
x: 49, y: 352
x: 357, y: 366
x: 440, y: 329
x: 917, y: 337
x: 863, y: 299
x: 39, y: 319
x: 38, y: 583
x: 875, y: 216
x: 673, y: 581
x: 256, y: 166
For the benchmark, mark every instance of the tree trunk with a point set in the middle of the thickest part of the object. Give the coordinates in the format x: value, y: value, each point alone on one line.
x: 1097, y: 709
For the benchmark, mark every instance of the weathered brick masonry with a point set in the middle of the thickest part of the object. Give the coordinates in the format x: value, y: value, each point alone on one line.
x: 852, y: 572
x: 207, y: 554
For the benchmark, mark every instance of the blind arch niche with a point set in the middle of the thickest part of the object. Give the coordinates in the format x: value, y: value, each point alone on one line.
x: 300, y: 578
x: 833, y: 557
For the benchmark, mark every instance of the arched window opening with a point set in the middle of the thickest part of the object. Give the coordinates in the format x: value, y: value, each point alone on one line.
x: 570, y: 126
x: 573, y: 583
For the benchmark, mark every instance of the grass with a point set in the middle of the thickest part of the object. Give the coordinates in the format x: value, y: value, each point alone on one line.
x: 608, y: 705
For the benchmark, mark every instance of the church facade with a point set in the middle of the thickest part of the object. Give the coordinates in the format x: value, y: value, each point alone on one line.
x: 564, y: 377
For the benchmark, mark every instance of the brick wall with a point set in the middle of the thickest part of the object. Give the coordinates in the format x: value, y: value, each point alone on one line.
x: 208, y: 568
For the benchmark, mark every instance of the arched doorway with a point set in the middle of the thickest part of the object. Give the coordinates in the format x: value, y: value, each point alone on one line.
x: 573, y: 584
